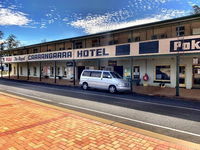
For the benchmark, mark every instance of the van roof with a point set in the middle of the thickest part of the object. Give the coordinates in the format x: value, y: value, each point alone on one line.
x: 96, y: 70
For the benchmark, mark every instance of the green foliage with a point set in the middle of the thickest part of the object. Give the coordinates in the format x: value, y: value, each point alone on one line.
x: 1, y: 42
x: 196, y: 9
x: 12, y: 42
x: 1, y: 35
x: 9, y: 43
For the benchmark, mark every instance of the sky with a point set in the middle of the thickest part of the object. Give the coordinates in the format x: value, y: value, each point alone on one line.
x: 34, y: 21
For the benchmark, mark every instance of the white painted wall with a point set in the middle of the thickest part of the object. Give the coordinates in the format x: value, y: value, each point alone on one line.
x: 146, y: 66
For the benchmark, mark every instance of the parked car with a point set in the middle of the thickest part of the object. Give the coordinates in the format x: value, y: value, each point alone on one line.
x: 100, y: 79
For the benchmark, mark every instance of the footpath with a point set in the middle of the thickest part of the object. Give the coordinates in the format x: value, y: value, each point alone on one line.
x: 30, y: 125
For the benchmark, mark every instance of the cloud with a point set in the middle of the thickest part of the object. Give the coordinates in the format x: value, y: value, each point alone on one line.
x: 117, y: 20
x: 135, y: 13
x: 194, y: 2
x: 9, y: 16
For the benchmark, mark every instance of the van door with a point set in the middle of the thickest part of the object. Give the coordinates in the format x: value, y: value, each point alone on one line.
x: 106, y: 80
x: 95, y: 79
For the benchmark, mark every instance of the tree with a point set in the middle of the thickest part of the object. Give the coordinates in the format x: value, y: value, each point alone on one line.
x: 1, y: 42
x: 196, y: 9
x: 1, y: 35
x: 12, y: 42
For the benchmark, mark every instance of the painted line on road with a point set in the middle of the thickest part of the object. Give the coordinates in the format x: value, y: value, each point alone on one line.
x: 108, y: 114
x: 43, y: 99
x: 125, y: 118
x: 121, y: 98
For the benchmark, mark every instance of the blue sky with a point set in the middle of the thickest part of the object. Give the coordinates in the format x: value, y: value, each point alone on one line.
x: 35, y: 20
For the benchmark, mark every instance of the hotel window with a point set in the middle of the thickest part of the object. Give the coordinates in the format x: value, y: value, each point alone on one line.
x: 58, y: 70
x: 34, y: 71
x: 78, y: 45
x: 61, y: 48
x: 153, y: 37
x: 69, y: 72
x: 162, y: 73
x: 95, y: 43
x: 134, y: 39
x: 180, y: 31
x: 137, y: 39
x: 196, y: 31
x: 21, y: 70
x: 136, y: 72
x: 163, y: 36
x: 52, y: 71
x: 112, y: 42
x: 35, y: 50
x: 64, y: 71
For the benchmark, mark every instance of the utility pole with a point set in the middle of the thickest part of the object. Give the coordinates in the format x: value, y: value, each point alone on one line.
x: 181, y: 39
x: 177, y: 74
x: 131, y: 73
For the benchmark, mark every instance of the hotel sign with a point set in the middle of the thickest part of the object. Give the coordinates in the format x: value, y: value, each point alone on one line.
x: 60, y: 55
x: 185, y: 45
x: 50, y: 56
x: 92, y: 53
x: 190, y: 44
x: 21, y: 58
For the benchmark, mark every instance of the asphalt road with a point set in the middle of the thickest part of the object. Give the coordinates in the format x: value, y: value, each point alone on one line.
x: 173, y: 117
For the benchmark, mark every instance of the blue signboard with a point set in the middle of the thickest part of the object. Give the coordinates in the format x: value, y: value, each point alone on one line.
x: 149, y: 47
x: 122, y: 50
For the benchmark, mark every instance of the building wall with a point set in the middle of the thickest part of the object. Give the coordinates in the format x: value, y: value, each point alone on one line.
x: 147, y: 65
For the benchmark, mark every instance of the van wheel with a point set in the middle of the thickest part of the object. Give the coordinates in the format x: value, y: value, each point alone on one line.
x: 112, y: 89
x: 85, y: 86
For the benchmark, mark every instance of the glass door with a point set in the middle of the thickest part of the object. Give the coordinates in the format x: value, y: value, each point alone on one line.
x: 196, y: 76
x: 136, y: 75
x: 136, y: 72
x: 182, y: 76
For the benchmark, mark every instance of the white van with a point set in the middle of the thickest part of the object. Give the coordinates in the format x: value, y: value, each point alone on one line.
x: 101, y: 79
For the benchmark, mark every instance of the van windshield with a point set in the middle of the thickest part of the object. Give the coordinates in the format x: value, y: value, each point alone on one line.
x: 115, y: 75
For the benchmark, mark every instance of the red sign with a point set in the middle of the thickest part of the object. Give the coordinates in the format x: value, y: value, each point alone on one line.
x: 8, y: 59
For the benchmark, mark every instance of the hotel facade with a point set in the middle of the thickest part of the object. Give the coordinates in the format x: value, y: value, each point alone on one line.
x: 164, y: 53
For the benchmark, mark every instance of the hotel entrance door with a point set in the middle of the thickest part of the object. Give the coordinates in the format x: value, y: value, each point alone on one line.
x: 119, y: 70
x: 182, y: 76
x: 196, y: 76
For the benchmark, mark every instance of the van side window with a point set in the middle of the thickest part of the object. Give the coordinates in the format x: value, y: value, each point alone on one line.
x: 86, y: 73
x: 96, y: 74
x: 106, y: 75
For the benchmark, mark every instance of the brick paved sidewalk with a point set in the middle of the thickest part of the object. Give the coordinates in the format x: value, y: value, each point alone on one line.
x: 25, y: 125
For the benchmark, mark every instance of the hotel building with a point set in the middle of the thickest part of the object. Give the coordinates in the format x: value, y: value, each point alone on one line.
x: 164, y: 53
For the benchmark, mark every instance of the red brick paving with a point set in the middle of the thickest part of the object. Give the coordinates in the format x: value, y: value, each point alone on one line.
x: 29, y: 126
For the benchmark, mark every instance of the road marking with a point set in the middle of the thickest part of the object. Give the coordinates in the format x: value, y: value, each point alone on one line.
x: 138, y: 121
x: 121, y: 98
x: 43, y: 99
x: 117, y: 116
